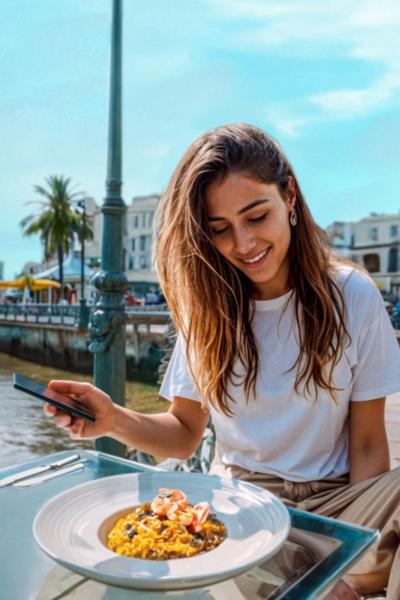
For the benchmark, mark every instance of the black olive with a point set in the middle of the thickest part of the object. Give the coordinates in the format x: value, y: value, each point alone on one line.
x: 214, y: 519
x: 131, y: 534
x: 146, y: 513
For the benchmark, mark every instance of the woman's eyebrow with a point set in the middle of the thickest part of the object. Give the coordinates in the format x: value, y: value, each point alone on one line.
x: 244, y: 209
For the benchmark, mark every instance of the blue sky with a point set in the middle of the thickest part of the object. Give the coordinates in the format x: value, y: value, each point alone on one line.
x: 322, y: 77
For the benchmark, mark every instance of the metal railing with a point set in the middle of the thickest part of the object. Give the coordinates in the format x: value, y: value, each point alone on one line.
x: 68, y: 315
x: 43, y: 314
x: 146, y: 308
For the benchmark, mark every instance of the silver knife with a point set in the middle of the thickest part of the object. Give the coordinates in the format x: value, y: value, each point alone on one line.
x: 57, y: 473
x: 36, y: 470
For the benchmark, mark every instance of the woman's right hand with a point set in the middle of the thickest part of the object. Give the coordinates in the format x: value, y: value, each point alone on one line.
x: 93, y: 399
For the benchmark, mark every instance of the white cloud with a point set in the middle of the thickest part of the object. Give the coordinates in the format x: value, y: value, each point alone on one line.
x: 250, y: 9
x: 286, y: 123
x: 366, y: 30
x: 349, y: 103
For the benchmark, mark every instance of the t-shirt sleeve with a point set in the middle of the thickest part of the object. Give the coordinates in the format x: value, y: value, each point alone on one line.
x: 377, y: 371
x: 178, y: 380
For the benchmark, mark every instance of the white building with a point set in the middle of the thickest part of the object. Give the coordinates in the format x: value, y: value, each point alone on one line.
x: 374, y: 243
x: 92, y: 247
x: 138, y: 243
x: 341, y: 237
x: 31, y: 268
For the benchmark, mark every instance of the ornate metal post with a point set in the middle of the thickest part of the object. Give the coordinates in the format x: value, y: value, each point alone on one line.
x: 107, y: 320
x: 83, y: 309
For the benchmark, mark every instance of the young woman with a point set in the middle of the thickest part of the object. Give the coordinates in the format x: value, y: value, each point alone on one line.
x: 288, y: 348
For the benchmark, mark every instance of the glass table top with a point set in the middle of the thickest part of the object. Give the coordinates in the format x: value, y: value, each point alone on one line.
x: 318, y: 551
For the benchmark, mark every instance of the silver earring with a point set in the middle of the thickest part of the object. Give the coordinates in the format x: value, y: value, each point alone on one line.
x: 293, y: 218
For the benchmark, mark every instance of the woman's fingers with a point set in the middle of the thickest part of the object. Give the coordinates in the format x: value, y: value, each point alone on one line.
x: 74, y: 426
x: 87, y: 396
x: 76, y: 429
x: 61, y: 418
x: 70, y: 387
x: 49, y: 410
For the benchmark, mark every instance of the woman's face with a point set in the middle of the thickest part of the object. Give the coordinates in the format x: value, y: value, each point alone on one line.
x: 250, y: 227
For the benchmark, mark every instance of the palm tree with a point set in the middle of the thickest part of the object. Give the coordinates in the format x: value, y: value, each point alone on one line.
x: 57, y: 222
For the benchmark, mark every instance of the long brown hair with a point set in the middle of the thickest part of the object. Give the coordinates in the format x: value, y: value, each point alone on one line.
x: 211, y: 300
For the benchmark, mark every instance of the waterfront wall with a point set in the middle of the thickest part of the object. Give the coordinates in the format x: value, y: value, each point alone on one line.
x: 66, y: 347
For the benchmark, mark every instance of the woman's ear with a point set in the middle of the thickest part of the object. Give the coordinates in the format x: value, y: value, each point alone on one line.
x: 291, y: 195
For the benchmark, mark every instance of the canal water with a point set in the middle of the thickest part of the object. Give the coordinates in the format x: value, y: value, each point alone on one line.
x: 25, y: 432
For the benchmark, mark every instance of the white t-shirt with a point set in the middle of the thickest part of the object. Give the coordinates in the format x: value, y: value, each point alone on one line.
x: 285, y: 433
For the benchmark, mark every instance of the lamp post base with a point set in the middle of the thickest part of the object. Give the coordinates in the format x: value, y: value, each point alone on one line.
x: 110, y: 446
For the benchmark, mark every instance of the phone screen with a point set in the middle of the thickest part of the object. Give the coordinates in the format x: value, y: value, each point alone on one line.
x: 43, y: 392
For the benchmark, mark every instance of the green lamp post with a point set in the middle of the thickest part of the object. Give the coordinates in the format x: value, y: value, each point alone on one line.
x: 107, y: 318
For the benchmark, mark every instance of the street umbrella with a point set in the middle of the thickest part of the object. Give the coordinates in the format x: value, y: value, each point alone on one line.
x: 26, y: 281
x: 44, y: 284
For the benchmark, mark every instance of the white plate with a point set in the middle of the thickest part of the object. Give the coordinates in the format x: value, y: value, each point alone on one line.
x: 73, y: 526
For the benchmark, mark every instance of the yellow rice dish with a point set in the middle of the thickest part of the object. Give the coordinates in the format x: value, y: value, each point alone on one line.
x: 168, y: 527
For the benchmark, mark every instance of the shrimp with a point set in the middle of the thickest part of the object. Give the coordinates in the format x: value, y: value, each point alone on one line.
x: 184, y: 517
x: 174, y: 505
x: 168, y: 502
x: 201, y: 512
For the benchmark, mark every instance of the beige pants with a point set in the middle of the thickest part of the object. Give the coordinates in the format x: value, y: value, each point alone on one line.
x: 374, y: 502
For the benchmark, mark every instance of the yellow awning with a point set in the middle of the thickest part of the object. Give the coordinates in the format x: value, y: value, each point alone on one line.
x: 29, y: 282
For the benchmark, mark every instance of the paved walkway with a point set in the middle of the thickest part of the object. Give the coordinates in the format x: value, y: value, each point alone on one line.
x: 393, y: 432
x: 393, y: 428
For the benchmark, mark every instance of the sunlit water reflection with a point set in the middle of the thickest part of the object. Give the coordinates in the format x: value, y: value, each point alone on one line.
x: 25, y: 431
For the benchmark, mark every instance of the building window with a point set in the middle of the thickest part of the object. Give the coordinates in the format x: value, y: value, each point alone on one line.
x: 372, y: 263
x: 143, y: 262
x: 393, y: 262
x: 373, y: 234
x: 142, y: 243
x: 135, y: 221
x: 133, y: 244
x: 150, y: 221
x: 131, y: 264
x: 394, y: 230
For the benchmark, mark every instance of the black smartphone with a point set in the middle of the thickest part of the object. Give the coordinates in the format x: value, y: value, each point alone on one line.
x: 43, y: 392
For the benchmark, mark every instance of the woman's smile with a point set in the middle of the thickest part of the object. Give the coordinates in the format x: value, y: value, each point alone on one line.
x: 257, y: 261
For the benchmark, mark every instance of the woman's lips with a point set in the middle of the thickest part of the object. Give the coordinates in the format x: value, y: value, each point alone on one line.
x: 257, y: 261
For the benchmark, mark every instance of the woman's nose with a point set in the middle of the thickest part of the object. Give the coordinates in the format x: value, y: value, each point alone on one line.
x: 244, y: 241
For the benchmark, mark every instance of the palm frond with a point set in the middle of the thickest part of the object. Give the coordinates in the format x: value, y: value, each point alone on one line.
x: 57, y: 222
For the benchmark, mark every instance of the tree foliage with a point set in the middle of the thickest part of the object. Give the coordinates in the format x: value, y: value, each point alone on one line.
x: 56, y: 220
